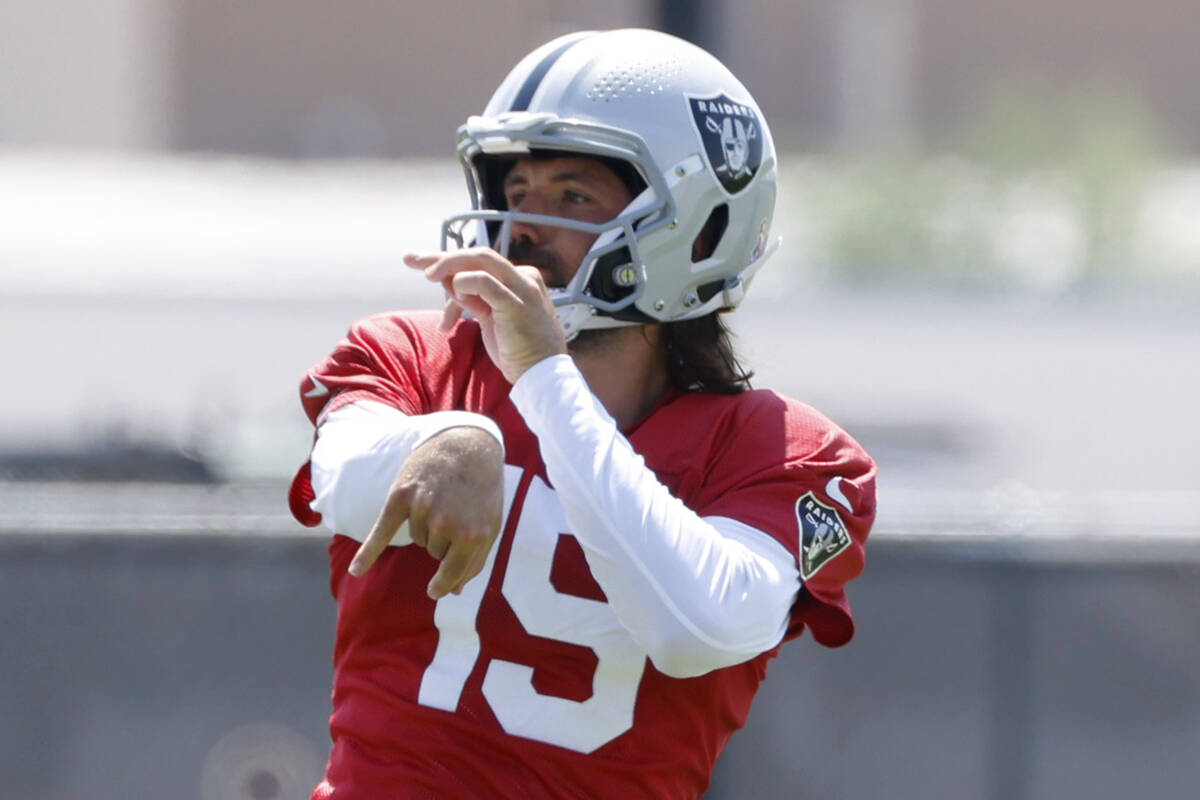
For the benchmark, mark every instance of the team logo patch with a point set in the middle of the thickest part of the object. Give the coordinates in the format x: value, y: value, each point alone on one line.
x: 822, y: 534
x: 732, y: 137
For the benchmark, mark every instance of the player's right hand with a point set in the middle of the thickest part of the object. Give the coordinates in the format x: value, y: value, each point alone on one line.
x: 516, y: 316
x: 450, y: 491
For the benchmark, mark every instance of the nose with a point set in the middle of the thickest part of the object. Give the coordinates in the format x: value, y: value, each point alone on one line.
x: 531, y: 203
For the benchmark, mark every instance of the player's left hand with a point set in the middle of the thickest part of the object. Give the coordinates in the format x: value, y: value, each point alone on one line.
x: 514, y: 310
x: 450, y: 492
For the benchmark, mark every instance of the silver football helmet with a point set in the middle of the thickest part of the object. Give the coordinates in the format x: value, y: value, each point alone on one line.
x: 703, y: 157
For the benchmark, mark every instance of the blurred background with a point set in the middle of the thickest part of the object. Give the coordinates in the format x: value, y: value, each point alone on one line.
x: 990, y: 275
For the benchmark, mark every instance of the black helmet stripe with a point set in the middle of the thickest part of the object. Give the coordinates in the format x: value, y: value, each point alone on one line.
x: 525, y: 94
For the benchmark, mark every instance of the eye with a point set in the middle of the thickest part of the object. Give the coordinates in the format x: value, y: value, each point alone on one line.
x: 515, y: 197
x: 576, y: 198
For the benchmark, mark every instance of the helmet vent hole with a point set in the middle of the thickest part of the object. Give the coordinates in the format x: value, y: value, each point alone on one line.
x: 705, y: 243
x: 647, y: 77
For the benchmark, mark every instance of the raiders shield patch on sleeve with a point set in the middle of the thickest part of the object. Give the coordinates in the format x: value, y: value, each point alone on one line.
x: 822, y: 534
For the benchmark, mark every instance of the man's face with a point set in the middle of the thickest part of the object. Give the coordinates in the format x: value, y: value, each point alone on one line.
x: 733, y: 140
x: 571, y: 187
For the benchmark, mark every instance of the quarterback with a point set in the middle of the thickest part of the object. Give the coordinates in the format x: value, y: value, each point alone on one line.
x: 567, y: 535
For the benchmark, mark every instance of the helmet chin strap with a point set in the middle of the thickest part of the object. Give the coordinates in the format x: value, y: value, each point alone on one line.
x: 576, y: 317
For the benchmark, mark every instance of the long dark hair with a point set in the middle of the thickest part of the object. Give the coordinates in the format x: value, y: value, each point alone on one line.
x: 700, y: 357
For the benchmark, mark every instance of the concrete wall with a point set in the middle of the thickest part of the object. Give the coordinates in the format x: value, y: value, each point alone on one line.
x: 196, y: 665
x: 977, y: 677
x: 127, y: 661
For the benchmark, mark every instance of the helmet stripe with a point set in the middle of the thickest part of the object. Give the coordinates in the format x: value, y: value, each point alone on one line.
x: 525, y: 94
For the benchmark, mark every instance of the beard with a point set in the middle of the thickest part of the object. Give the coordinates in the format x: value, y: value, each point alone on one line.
x: 597, y: 341
x: 555, y: 273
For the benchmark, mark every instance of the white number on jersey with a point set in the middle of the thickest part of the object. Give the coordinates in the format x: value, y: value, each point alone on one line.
x: 543, y: 611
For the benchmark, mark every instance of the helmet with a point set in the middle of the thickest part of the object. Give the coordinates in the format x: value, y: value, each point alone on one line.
x: 699, y: 152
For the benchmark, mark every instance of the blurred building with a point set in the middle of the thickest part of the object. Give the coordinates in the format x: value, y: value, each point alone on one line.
x: 368, y: 77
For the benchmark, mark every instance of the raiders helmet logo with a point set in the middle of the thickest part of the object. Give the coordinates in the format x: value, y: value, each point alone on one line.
x: 823, y: 535
x: 732, y: 138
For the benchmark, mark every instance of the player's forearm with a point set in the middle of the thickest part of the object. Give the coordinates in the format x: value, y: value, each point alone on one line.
x: 359, y: 451
x: 696, y: 593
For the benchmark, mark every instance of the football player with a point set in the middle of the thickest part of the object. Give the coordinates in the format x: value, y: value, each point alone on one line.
x: 567, y: 536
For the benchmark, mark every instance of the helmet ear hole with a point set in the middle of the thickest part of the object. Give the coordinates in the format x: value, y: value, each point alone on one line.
x: 705, y: 243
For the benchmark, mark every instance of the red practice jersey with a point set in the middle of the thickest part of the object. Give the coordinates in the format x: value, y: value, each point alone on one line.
x: 527, y: 685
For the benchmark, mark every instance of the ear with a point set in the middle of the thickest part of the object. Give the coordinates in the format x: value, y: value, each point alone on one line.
x: 712, y: 125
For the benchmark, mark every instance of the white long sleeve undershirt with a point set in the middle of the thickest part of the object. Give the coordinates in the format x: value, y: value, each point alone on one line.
x: 695, y: 593
x: 359, y: 451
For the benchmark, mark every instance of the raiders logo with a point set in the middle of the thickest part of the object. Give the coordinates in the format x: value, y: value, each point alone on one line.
x: 732, y: 137
x: 822, y: 534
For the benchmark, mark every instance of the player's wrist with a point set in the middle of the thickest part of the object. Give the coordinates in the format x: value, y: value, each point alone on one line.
x: 540, y: 375
x: 466, y: 442
x: 433, y: 425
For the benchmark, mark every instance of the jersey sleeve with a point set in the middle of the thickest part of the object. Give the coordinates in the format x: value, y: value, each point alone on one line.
x: 386, y: 358
x: 378, y: 359
x: 788, y: 471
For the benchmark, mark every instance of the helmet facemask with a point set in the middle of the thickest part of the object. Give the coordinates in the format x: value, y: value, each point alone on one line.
x: 612, y: 275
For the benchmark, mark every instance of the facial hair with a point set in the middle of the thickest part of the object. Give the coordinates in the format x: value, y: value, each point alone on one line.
x: 554, y: 271
x: 592, y: 342
x: 597, y: 342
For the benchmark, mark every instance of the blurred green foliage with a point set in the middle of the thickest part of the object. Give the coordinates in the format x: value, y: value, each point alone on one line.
x: 1103, y: 142
x: 1035, y: 190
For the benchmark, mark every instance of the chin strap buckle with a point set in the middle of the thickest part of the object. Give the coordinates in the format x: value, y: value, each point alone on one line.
x: 733, y: 292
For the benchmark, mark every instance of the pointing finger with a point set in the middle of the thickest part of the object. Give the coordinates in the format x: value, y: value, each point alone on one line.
x: 421, y: 260
x: 482, y: 259
x: 393, y: 515
x: 369, y: 551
